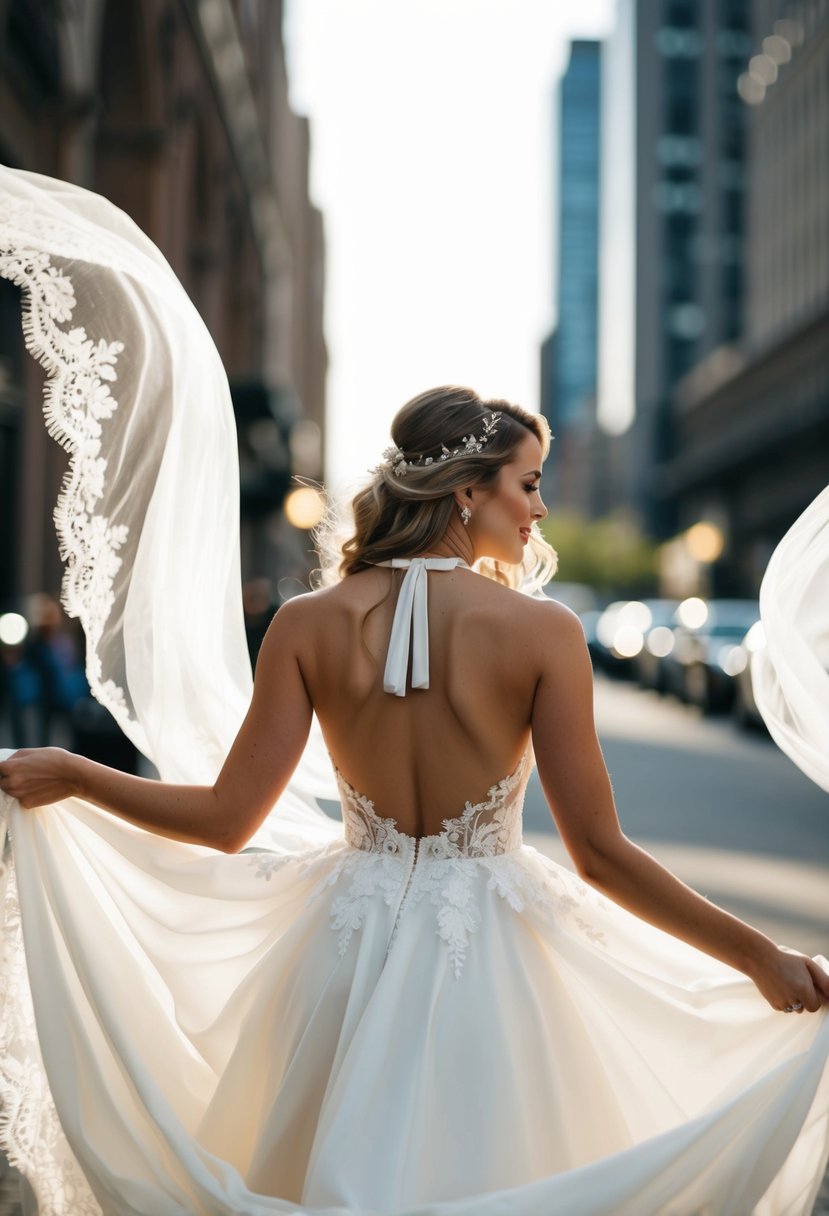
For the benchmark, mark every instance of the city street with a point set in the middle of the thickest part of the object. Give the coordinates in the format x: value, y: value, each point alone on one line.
x: 726, y: 810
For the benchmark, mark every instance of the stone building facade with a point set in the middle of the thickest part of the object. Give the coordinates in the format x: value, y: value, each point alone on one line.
x: 177, y: 111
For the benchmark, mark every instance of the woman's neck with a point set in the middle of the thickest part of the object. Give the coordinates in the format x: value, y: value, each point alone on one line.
x: 455, y: 542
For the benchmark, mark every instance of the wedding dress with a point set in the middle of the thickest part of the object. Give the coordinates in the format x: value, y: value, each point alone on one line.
x: 342, y: 1018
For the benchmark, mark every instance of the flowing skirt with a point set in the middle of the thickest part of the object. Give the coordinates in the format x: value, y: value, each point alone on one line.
x: 325, y: 1030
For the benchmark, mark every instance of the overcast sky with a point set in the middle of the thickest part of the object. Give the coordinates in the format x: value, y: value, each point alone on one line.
x: 433, y: 150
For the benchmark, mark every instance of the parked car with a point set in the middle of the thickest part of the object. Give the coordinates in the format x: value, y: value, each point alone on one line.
x: 622, y: 631
x: 707, y: 656
x: 657, y: 642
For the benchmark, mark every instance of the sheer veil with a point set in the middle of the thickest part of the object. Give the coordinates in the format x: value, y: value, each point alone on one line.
x: 790, y: 673
x: 148, y: 517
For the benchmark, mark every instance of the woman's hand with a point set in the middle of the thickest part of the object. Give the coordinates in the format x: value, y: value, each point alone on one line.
x: 791, y: 981
x: 39, y: 776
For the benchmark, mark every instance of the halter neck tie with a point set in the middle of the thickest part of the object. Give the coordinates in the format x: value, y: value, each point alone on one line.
x: 411, y: 613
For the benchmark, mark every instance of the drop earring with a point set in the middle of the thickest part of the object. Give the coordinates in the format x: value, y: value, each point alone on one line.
x: 466, y: 515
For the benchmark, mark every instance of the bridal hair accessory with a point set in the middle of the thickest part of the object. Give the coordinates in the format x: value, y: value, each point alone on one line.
x: 466, y: 515
x: 470, y: 444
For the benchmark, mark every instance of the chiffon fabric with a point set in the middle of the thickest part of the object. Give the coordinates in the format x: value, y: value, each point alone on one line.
x: 341, y: 1019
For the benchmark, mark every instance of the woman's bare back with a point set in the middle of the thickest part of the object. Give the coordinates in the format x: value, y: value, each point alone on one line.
x: 422, y: 756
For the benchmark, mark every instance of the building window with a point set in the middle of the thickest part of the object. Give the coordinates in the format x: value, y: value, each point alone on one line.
x: 686, y: 321
x: 679, y: 150
x: 683, y: 197
x: 734, y: 14
x: 733, y: 44
x: 676, y: 43
x: 681, y: 13
x: 732, y: 211
x: 681, y: 96
x: 680, y: 280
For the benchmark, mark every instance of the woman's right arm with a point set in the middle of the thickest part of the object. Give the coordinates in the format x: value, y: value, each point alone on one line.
x: 223, y: 816
x: 576, y: 784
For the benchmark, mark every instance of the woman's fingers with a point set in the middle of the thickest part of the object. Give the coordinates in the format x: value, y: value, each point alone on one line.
x: 36, y: 776
x: 806, y: 996
x: 819, y: 971
x: 794, y: 983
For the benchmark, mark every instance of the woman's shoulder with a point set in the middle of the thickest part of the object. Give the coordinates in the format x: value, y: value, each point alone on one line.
x: 357, y: 590
x: 541, y: 606
x: 311, y: 606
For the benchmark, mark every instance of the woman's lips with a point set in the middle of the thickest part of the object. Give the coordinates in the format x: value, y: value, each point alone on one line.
x: 525, y: 533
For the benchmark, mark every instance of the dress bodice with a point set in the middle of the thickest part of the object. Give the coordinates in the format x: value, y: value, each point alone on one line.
x: 483, y: 829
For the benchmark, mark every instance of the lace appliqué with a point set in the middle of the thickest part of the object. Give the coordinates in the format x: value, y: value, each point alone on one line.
x: 30, y: 1132
x: 450, y: 887
x: 483, y: 829
x: 523, y: 877
x: 444, y: 867
x: 77, y: 399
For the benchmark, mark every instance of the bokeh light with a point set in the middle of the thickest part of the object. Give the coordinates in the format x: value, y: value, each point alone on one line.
x: 13, y: 628
x: 304, y: 507
x: 705, y: 542
x: 660, y: 641
x: 692, y: 612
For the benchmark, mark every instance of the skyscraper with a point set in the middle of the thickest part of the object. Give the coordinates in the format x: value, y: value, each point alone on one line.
x: 578, y: 241
x: 678, y: 193
x: 752, y: 423
x: 569, y: 380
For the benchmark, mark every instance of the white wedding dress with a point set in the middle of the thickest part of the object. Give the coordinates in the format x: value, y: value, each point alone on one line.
x: 343, y: 1018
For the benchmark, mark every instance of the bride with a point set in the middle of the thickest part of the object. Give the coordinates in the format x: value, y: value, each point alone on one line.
x: 218, y: 1000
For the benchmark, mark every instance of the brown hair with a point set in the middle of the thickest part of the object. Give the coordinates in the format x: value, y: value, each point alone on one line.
x: 396, y: 516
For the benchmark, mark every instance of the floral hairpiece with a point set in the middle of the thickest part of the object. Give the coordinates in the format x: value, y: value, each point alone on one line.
x: 469, y: 444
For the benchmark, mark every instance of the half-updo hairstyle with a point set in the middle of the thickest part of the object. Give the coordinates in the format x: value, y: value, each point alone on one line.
x: 404, y: 516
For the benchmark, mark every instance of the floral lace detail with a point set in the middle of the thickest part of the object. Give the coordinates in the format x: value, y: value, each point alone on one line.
x: 364, y: 829
x: 379, y: 872
x: 478, y: 849
x: 483, y: 829
x: 77, y: 399
x: 524, y: 878
x: 450, y: 887
x: 30, y: 1133
x: 488, y: 828
x: 441, y: 866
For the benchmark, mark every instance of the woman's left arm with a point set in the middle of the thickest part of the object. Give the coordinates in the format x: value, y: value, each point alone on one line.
x: 223, y: 816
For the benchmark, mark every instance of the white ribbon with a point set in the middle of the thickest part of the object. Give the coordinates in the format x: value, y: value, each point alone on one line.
x: 412, y: 614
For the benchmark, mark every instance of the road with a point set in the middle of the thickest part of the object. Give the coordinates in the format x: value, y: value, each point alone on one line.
x: 725, y: 809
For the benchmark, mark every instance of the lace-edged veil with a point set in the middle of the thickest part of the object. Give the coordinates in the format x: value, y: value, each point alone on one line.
x: 148, y: 516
